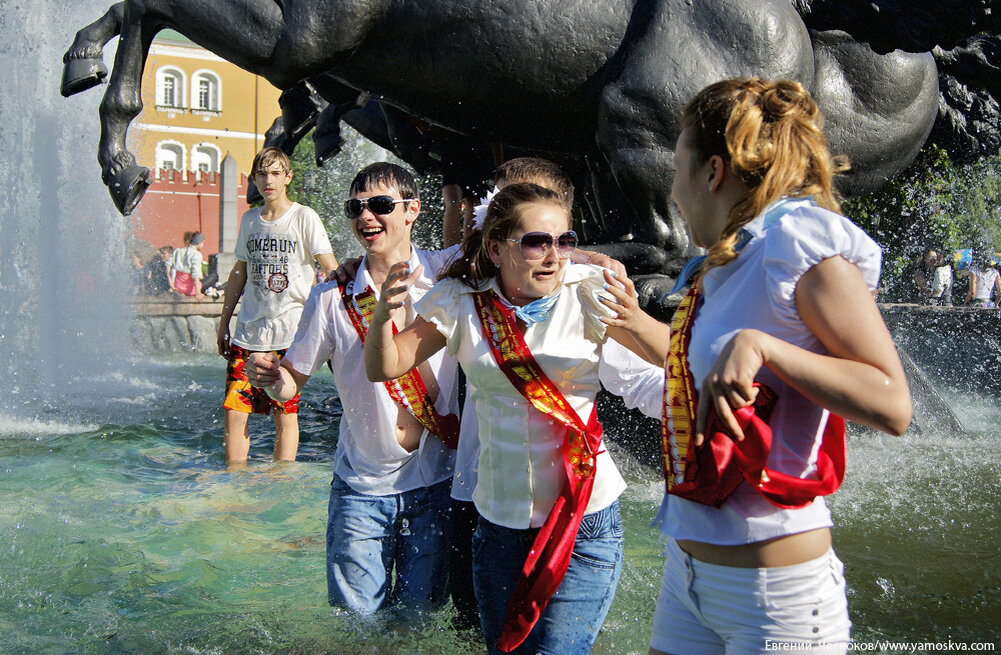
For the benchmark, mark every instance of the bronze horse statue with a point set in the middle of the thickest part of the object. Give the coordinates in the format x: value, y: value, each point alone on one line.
x: 604, y: 79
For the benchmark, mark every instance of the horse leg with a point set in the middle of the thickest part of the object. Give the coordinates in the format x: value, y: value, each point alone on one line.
x: 83, y: 65
x: 341, y: 99
x: 126, y: 180
x: 246, y: 35
x: 878, y: 108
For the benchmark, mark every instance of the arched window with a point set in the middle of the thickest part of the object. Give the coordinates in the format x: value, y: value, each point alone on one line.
x: 170, y: 155
x: 170, y: 87
x: 205, y: 158
x: 206, y: 91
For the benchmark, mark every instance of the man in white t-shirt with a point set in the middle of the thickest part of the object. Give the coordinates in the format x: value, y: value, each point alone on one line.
x: 389, y: 498
x: 275, y: 251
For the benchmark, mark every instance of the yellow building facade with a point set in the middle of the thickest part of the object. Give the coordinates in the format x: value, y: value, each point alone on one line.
x: 198, y: 107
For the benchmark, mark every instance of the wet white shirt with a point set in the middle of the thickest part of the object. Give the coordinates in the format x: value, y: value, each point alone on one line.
x: 520, y: 462
x: 279, y: 256
x: 757, y: 290
x: 639, y: 383
x: 369, y: 458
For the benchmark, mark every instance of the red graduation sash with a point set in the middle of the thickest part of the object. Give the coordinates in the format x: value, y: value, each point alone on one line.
x: 407, y: 390
x: 709, y: 473
x: 549, y: 557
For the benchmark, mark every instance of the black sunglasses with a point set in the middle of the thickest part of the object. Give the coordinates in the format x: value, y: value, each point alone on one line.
x: 535, y: 245
x: 382, y: 205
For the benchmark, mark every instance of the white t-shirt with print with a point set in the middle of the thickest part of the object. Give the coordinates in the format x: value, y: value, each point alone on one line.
x: 279, y: 256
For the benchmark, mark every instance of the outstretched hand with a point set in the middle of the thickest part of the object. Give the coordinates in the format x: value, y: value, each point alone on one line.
x: 397, y: 282
x: 730, y: 383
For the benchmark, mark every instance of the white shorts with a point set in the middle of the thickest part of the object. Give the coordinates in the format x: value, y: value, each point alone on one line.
x: 707, y: 609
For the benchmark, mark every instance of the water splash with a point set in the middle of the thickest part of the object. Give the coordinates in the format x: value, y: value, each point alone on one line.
x: 62, y: 244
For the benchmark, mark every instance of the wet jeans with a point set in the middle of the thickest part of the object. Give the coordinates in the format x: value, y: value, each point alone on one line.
x: 367, y: 536
x: 571, y: 620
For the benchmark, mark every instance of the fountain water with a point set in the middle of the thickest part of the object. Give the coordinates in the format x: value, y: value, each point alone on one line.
x: 121, y: 531
x: 62, y: 260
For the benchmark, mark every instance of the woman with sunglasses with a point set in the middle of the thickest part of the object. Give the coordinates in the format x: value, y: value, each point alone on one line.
x: 778, y: 336
x: 525, y: 329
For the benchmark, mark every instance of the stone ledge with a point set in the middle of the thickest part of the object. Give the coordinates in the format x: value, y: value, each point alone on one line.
x: 174, y: 305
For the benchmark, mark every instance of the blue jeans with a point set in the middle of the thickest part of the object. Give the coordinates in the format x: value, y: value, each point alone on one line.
x: 368, y: 535
x: 571, y: 620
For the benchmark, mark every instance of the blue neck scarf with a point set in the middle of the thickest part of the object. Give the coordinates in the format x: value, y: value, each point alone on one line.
x: 536, y: 311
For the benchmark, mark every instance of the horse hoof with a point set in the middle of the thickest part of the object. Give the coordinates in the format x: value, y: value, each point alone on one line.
x: 128, y: 186
x: 327, y: 147
x: 82, y: 74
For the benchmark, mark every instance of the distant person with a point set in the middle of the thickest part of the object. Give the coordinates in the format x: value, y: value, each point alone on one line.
x: 933, y: 278
x: 985, y: 285
x: 137, y: 274
x: 156, y: 280
x: 275, y: 250
x: 185, y: 267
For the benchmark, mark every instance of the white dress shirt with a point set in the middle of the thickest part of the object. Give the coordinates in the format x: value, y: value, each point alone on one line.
x: 758, y: 290
x: 520, y: 461
x: 368, y: 456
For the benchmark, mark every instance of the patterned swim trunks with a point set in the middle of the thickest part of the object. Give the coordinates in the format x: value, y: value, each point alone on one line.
x: 242, y: 397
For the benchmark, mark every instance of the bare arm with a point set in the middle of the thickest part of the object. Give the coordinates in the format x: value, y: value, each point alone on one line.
x: 328, y: 262
x: 388, y: 357
x: 234, y: 290
x: 860, y: 378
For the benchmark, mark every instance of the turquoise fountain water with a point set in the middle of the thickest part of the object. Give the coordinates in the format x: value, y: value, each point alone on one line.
x: 121, y: 531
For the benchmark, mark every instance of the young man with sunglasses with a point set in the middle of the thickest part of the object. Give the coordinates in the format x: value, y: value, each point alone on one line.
x: 389, y: 498
x: 276, y: 248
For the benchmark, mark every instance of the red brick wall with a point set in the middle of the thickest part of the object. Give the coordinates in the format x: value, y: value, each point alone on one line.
x: 176, y: 203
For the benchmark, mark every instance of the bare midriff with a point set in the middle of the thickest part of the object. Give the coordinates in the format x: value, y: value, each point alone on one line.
x: 408, y: 428
x: 781, y: 551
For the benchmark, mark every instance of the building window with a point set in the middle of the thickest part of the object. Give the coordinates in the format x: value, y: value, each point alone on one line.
x: 170, y: 88
x: 205, y: 158
x: 170, y: 156
x: 205, y: 89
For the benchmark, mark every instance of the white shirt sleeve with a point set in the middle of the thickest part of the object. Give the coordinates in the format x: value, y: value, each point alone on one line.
x: 314, y: 234
x: 802, y: 239
x: 195, y: 264
x: 314, y: 340
x: 241, y: 238
x: 639, y: 383
x: 438, y: 306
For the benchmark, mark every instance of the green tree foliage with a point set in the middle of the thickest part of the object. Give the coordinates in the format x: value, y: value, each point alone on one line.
x: 936, y: 204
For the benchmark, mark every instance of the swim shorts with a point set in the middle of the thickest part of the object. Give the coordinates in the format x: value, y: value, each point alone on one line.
x: 241, y: 397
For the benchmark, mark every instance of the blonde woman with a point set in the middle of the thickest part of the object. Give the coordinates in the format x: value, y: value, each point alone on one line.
x: 778, y: 336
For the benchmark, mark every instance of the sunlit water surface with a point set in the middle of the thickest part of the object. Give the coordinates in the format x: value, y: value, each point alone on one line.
x: 121, y: 531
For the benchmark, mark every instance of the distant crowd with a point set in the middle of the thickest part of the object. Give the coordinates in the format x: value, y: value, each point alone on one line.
x: 942, y: 278
x: 182, y: 271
